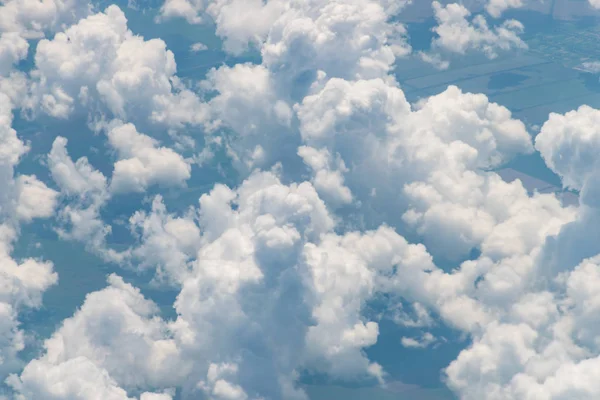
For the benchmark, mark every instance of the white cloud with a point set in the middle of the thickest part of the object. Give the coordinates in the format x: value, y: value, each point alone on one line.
x: 36, y: 200
x: 568, y: 144
x: 100, y: 62
x: 264, y: 265
x: 591, y: 66
x: 21, y: 286
x: 546, y: 348
x: 456, y: 34
x: 31, y: 19
x: 114, y: 340
x: 429, y: 160
x: 22, y: 282
x: 328, y: 182
x: 197, y: 47
x: 142, y: 162
x: 263, y: 244
x: 13, y: 49
x: 168, y: 244
x: 496, y: 7
x: 420, y: 342
x: 86, y: 190
x: 188, y: 9
x: 78, y: 378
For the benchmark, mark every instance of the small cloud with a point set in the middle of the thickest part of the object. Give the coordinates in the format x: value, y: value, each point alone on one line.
x: 424, y: 341
x: 591, y: 67
x: 197, y: 47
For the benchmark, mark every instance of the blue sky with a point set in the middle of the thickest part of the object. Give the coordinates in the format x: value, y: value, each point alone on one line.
x: 309, y: 199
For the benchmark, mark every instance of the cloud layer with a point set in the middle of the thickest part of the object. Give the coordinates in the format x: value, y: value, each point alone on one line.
x: 345, y: 194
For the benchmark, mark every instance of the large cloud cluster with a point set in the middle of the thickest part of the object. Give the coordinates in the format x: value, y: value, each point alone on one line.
x: 338, y: 169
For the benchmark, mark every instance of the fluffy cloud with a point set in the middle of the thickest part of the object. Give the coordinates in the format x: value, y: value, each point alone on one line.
x: 35, y: 199
x: 22, y: 285
x: 197, y: 47
x: 540, y: 347
x: 188, y: 9
x: 79, y: 379
x: 31, y: 19
x: 456, y: 34
x: 13, y: 49
x: 271, y: 281
x: 142, y: 162
x: 99, y: 62
x: 433, y: 168
x: 22, y: 198
x: 114, y: 340
x: 268, y: 243
x: 86, y: 192
x: 263, y: 244
x: 496, y: 7
x: 568, y: 144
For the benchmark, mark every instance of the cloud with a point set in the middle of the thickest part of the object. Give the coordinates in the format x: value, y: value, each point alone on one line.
x: 86, y: 192
x: 568, y: 142
x: 188, y: 9
x: 13, y: 48
x: 420, y: 342
x: 36, y: 200
x: 79, y: 379
x: 450, y: 137
x: 263, y: 243
x: 591, y: 66
x: 22, y: 199
x: 99, y: 62
x: 142, y: 162
x: 271, y: 281
x: 114, y: 340
x: 197, y: 47
x: 33, y: 19
x: 457, y: 35
x: 544, y: 343
x: 168, y: 244
x: 496, y: 7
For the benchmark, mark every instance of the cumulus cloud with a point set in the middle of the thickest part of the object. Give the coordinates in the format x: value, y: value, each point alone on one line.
x: 496, y: 7
x: 85, y: 190
x: 36, y: 200
x: 197, y: 47
x: 271, y: 281
x: 22, y: 199
x: 22, y: 286
x: 457, y: 34
x: 142, y: 162
x: 114, y: 340
x: 568, y: 142
x: 429, y: 154
x: 99, y: 62
x: 188, y: 9
x: 263, y: 243
x: 539, y: 348
x: 32, y: 19
x: 591, y: 66
x: 13, y: 48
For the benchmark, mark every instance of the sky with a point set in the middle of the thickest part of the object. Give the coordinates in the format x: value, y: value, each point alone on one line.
x: 299, y: 199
